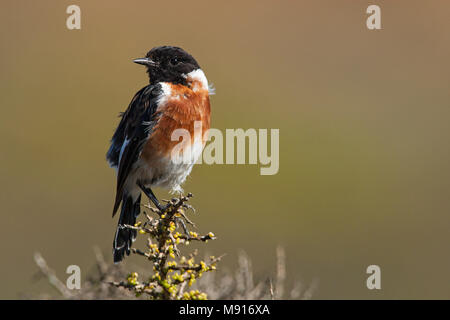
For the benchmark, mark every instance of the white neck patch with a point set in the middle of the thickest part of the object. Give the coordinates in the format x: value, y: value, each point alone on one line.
x: 198, y: 76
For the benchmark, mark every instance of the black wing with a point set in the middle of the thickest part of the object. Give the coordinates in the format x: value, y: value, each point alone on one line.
x: 131, y: 134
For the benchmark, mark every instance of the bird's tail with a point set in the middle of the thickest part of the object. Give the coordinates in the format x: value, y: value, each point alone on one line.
x: 124, y: 237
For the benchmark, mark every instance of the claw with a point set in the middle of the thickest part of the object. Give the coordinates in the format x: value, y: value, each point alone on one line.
x: 188, y: 206
x: 183, y: 225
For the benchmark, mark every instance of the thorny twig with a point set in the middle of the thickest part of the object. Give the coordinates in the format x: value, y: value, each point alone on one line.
x: 171, y: 271
x: 51, y: 276
x: 174, y: 273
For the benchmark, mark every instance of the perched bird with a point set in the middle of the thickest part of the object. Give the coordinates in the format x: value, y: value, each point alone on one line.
x: 141, y: 147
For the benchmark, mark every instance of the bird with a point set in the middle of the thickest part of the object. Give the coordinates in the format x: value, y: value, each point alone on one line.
x: 141, y: 148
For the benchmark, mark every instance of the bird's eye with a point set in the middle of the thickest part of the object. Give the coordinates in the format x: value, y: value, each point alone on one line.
x: 174, y: 61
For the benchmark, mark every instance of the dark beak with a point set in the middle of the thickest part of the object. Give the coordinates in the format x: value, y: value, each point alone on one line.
x: 145, y: 62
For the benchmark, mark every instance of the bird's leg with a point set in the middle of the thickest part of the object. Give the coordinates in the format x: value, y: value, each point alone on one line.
x: 149, y: 193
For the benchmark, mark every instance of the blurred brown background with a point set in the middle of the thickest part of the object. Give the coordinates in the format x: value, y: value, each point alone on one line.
x: 364, y: 129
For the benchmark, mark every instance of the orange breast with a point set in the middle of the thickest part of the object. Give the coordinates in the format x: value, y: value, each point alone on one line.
x: 180, y: 111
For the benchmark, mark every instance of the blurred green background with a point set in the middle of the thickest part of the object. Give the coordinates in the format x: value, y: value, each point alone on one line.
x: 364, y: 135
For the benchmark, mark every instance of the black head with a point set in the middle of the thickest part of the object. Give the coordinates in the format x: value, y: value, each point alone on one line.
x: 168, y: 64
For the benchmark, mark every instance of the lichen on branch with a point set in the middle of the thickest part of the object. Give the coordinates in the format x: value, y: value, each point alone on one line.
x: 172, y: 273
